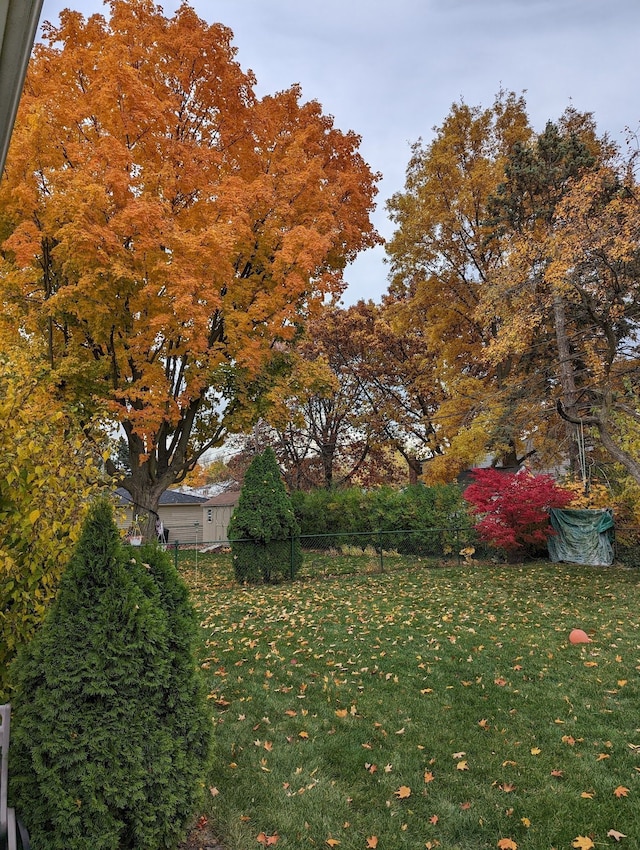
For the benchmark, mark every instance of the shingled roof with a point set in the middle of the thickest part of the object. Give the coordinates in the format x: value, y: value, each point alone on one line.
x: 169, y: 497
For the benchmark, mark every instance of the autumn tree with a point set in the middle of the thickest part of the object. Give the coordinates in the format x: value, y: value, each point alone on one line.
x: 324, y: 431
x: 568, y: 291
x: 389, y: 361
x: 442, y: 254
x: 166, y: 228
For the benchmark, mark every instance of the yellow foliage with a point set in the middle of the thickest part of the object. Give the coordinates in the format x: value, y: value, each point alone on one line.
x: 47, y: 475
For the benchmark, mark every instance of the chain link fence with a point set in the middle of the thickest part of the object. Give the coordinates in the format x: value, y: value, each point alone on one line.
x: 325, y: 555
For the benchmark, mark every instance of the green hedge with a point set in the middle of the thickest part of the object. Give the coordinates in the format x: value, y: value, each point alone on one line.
x: 340, y: 514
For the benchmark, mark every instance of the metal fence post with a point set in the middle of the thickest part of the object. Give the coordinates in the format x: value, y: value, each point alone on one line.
x: 381, y: 555
x: 292, y: 558
x: 175, y: 555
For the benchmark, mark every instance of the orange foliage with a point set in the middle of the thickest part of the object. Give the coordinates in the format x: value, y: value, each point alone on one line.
x: 167, y: 226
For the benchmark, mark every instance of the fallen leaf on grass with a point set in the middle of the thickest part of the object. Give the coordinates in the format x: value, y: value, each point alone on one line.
x: 583, y: 842
x: 507, y: 844
x: 267, y: 840
x: 428, y: 776
x: 214, y: 791
x: 403, y: 792
x: 462, y: 765
x: 613, y: 833
x: 434, y: 819
x: 557, y: 773
x: 621, y: 791
x: 587, y: 795
x: 332, y: 842
x: 341, y: 712
x: 372, y: 841
x: 303, y: 734
x: 507, y: 787
x: 535, y: 751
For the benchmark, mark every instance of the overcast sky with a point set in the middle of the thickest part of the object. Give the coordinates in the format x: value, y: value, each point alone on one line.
x: 391, y: 69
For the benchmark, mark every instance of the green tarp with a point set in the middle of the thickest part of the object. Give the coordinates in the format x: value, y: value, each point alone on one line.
x: 582, y: 537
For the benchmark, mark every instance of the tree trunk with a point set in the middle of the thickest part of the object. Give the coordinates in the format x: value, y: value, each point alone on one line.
x: 567, y: 382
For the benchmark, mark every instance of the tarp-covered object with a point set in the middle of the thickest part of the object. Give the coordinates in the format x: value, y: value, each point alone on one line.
x: 582, y: 536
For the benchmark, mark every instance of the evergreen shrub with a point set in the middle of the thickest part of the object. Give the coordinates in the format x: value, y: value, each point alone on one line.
x: 263, y: 531
x: 111, y: 735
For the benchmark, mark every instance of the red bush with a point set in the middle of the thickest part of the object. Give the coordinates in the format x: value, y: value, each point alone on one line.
x: 513, y: 508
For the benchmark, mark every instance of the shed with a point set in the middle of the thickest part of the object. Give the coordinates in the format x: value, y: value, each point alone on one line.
x: 180, y: 513
x: 217, y: 513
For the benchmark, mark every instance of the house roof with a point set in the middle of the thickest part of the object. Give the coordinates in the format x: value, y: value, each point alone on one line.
x: 223, y: 500
x: 18, y: 25
x: 169, y: 497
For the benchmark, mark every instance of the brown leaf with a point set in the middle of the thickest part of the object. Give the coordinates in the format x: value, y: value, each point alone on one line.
x: 332, y: 842
x: 267, y: 840
x: 507, y: 844
x: 621, y: 791
x: 434, y: 819
x: 403, y: 792
x: 507, y: 787
x: 428, y: 776
x: 613, y: 833
x: 372, y: 841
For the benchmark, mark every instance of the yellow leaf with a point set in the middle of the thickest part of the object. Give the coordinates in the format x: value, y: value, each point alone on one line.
x: 428, y: 776
x: 462, y: 765
x: 341, y: 712
x: 332, y: 842
x: 507, y: 844
x: 582, y: 842
x: 403, y: 792
x: 535, y: 751
x: 303, y: 734
x: 33, y: 516
x: 525, y: 822
x: 587, y: 795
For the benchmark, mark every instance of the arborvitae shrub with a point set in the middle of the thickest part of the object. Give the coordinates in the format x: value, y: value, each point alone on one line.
x: 263, y: 530
x: 110, y: 735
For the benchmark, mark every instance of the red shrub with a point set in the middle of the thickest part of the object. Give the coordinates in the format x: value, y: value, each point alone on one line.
x: 513, y: 508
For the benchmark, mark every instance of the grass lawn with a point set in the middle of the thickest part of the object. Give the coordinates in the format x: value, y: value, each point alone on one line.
x: 424, y: 708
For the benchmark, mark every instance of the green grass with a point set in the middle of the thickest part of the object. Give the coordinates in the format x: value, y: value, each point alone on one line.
x: 329, y: 696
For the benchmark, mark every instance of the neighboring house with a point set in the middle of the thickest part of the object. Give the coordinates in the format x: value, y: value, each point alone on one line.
x: 180, y: 514
x: 217, y: 513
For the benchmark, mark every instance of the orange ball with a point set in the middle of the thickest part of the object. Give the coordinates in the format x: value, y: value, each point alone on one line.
x: 578, y: 636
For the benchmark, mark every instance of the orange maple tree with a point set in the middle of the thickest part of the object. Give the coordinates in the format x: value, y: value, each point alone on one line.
x: 164, y: 228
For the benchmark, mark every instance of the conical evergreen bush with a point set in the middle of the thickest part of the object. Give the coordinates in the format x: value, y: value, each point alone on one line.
x: 110, y: 735
x: 264, y: 532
